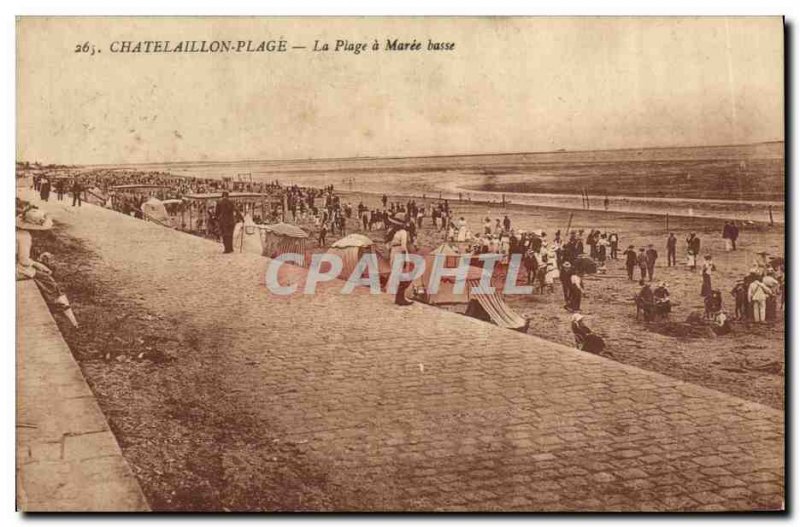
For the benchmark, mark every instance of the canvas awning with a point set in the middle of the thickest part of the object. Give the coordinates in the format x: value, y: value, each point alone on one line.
x: 353, y: 240
x: 285, y: 229
x: 231, y: 195
x: 138, y: 187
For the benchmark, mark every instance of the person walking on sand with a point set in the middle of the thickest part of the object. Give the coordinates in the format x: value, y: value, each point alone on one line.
x: 630, y: 261
x: 708, y: 267
x: 76, y: 193
x: 726, y: 235
x: 576, y: 292
x: 774, y: 286
x: 757, y: 294
x: 672, y: 250
x: 564, y: 276
x: 60, y: 189
x: 652, y: 255
x: 613, y: 239
x: 397, y: 237
x: 641, y: 259
x: 739, y: 293
x: 226, y: 219
x: 692, y: 250
x: 44, y: 189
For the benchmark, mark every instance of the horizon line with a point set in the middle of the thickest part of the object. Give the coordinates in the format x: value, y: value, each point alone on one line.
x: 435, y: 156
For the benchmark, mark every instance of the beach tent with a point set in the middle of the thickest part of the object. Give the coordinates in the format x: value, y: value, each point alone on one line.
x: 282, y: 238
x: 351, y: 248
x: 491, y: 307
x: 96, y: 196
x: 246, y: 236
x: 446, y: 293
x: 174, y: 210
x: 154, y: 210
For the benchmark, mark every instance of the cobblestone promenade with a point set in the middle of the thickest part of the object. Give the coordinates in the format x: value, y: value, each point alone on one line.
x: 418, y: 408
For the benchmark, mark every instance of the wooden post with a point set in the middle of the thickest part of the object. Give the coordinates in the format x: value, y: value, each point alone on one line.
x: 668, y: 222
x: 569, y: 224
x: 771, y: 221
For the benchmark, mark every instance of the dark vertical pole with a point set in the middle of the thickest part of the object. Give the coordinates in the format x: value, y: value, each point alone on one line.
x: 569, y: 225
x: 667, y: 222
x: 771, y: 221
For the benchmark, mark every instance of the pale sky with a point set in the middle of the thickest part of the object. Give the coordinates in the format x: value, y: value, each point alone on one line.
x: 510, y: 85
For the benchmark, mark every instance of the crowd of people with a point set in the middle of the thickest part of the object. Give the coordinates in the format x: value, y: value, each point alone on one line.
x: 563, y: 258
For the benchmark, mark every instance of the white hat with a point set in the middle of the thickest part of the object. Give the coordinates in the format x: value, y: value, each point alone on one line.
x: 34, y: 220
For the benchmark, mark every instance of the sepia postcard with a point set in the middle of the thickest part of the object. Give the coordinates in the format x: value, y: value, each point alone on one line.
x: 406, y: 264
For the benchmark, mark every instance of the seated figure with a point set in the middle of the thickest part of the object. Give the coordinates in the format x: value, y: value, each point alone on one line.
x: 663, y: 305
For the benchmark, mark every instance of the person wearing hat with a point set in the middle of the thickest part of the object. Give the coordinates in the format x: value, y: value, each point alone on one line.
x: 708, y: 267
x: 613, y: 240
x: 645, y: 302
x: 461, y: 229
x: 564, y: 276
x: 30, y: 220
x: 641, y: 259
x: 76, y: 189
x: 739, y: 294
x: 579, y: 330
x: 575, y: 291
x: 692, y: 250
x: 630, y: 260
x: 585, y: 339
x: 774, y: 286
x: 672, y: 249
x: 397, y: 238
x: 44, y: 189
x: 226, y: 219
x: 651, y: 255
x: 663, y: 305
x: 757, y: 294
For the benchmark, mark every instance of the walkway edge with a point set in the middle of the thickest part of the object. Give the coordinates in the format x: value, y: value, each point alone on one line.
x: 68, y: 460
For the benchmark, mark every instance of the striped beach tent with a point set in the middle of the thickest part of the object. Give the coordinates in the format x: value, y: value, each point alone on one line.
x: 283, y: 238
x: 491, y: 307
x: 95, y: 196
x: 154, y: 210
x: 351, y: 248
x: 446, y: 293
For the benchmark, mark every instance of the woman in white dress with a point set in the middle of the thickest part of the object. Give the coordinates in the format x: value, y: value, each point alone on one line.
x: 30, y: 220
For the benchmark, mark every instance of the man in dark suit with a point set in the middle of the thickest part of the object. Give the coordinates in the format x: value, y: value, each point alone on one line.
x: 226, y: 219
x: 77, y: 189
